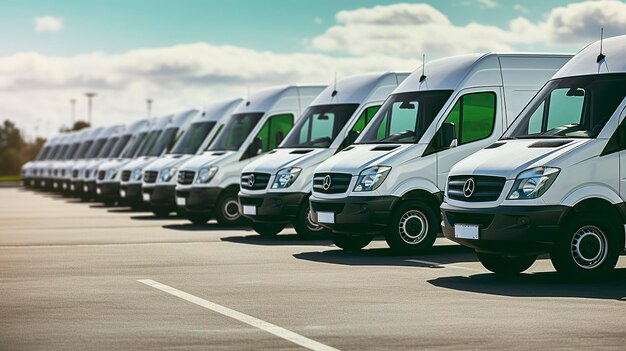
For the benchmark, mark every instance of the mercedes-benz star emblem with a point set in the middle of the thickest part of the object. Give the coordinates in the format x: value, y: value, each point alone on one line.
x: 468, y: 187
x: 251, y: 180
x: 326, y: 183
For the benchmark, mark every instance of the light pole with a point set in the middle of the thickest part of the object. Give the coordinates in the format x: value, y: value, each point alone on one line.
x: 149, y: 103
x: 89, y: 96
x: 73, y: 106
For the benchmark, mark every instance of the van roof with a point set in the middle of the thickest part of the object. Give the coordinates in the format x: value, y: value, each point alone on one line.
x: 360, y: 88
x: 215, y: 111
x: 457, y: 72
x: 279, y: 97
x: 586, y: 61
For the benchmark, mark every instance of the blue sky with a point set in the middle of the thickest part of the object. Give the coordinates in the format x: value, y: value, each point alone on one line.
x: 115, y: 26
x: 189, y: 52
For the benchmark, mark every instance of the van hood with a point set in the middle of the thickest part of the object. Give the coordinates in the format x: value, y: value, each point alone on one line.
x: 168, y: 161
x: 208, y: 158
x: 140, y: 163
x: 113, y: 164
x: 507, y: 158
x: 284, y: 158
x: 355, y: 158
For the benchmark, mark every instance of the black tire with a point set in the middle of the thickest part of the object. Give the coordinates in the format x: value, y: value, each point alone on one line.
x: 228, y: 211
x: 267, y: 229
x: 197, y: 218
x: 304, y: 226
x: 587, y: 247
x: 413, y: 227
x: 161, y: 213
x: 506, y: 265
x: 351, y: 243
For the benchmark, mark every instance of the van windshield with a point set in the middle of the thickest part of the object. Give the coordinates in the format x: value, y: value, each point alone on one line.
x: 572, y: 107
x: 164, y: 143
x: 95, y: 148
x: 72, y: 151
x: 63, y: 152
x: 108, y: 147
x: 84, y: 147
x: 404, y: 117
x: 319, y: 125
x: 236, y: 131
x: 120, y: 145
x: 43, y: 153
x: 136, y: 143
x: 150, y: 140
x: 193, y: 138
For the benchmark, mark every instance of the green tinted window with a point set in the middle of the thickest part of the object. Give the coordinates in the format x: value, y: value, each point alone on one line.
x: 478, y: 113
x: 279, y: 127
x: 473, y: 116
x: 380, y: 133
x: 264, y: 136
x: 365, y: 118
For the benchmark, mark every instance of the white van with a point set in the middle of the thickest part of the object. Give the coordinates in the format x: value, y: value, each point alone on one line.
x: 45, y: 172
x: 112, y: 135
x: 175, y: 126
x: 90, y: 137
x: 203, y: 129
x: 554, y: 182
x: 29, y: 169
x: 391, y: 181
x: 63, y: 180
x: 275, y: 188
x: 208, y: 183
x: 59, y: 166
x: 113, y: 151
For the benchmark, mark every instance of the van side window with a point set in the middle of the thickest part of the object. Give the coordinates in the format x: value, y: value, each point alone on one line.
x: 618, y: 140
x: 365, y: 118
x: 274, y: 131
x: 474, y: 116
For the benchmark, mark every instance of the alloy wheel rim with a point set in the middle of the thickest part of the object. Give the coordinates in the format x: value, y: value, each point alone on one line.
x: 589, y: 247
x: 413, y: 227
x: 231, y: 209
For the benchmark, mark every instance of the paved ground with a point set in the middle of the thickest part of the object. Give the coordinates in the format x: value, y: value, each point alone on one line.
x: 70, y: 271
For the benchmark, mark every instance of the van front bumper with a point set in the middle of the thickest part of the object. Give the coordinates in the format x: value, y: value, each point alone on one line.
x: 273, y: 207
x: 509, y: 230
x: 131, y: 193
x: 356, y: 215
x: 108, y: 190
x: 201, y: 200
x: 162, y: 196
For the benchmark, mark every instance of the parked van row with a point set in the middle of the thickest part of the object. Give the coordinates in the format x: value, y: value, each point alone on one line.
x: 393, y: 154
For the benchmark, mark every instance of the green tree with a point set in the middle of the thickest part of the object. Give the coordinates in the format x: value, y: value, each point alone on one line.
x: 14, y: 150
x: 78, y: 125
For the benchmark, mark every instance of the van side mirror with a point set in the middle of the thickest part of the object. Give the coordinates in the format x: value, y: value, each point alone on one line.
x: 255, y: 148
x: 448, y: 135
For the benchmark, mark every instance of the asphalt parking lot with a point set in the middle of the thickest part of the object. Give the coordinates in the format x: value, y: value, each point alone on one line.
x: 84, y: 276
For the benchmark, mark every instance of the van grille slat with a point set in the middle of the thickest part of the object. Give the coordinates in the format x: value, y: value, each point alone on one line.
x: 126, y: 175
x: 150, y: 176
x: 486, y: 188
x: 186, y: 177
x: 259, y: 181
x: 101, y: 175
x: 339, y: 183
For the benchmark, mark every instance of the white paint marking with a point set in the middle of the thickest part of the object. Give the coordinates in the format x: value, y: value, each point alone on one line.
x: 440, y: 265
x: 255, y: 322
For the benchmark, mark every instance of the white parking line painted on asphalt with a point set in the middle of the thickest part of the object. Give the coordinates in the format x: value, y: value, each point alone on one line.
x: 255, y: 322
x: 440, y: 265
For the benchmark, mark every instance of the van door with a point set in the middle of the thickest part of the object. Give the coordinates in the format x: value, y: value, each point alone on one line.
x: 618, y: 141
x: 478, y: 121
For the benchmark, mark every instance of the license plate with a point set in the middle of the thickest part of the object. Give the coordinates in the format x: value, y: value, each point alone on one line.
x: 146, y: 197
x: 98, y: 191
x: 55, y: 185
x: 64, y: 186
x: 181, y: 201
x: 43, y: 183
x: 466, y: 231
x: 122, y: 193
x: 72, y: 187
x: 326, y: 217
x: 86, y: 189
x: 249, y: 210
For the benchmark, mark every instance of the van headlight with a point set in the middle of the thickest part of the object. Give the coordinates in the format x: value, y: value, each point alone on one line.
x: 136, y: 175
x: 111, y: 173
x: 533, y: 183
x: 206, y: 174
x: 371, y: 178
x: 285, y: 177
x: 167, y: 174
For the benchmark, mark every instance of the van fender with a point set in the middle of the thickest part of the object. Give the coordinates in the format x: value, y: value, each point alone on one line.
x: 415, y: 184
x: 590, y: 191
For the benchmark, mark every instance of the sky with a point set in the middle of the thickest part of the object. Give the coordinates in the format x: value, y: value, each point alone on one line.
x: 189, y: 53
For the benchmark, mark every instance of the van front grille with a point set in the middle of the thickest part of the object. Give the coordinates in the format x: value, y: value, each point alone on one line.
x: 255, y: 181
x: 475, y: 188
x: 150, y: 176
x: 126, y: 175
x: 331, y: 183
x: 101, y: 175
x: 186, y: 177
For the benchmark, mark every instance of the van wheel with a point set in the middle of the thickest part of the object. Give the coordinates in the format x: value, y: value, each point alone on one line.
x: 413, y: 227
x: 304, y: 225
x: 351, y: 243
x: 267, y: 229
x: 197, y: 218
x: 587, y: 247
x: 505, y: 265
x: 227, y: 211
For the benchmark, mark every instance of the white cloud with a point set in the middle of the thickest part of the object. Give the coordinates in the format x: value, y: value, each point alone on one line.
x: 317, y: 20
x: 520, y: 8
x: 37, y: 87
x: 48, y: 24
x: 411, y: 29
x: 488, y: 3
